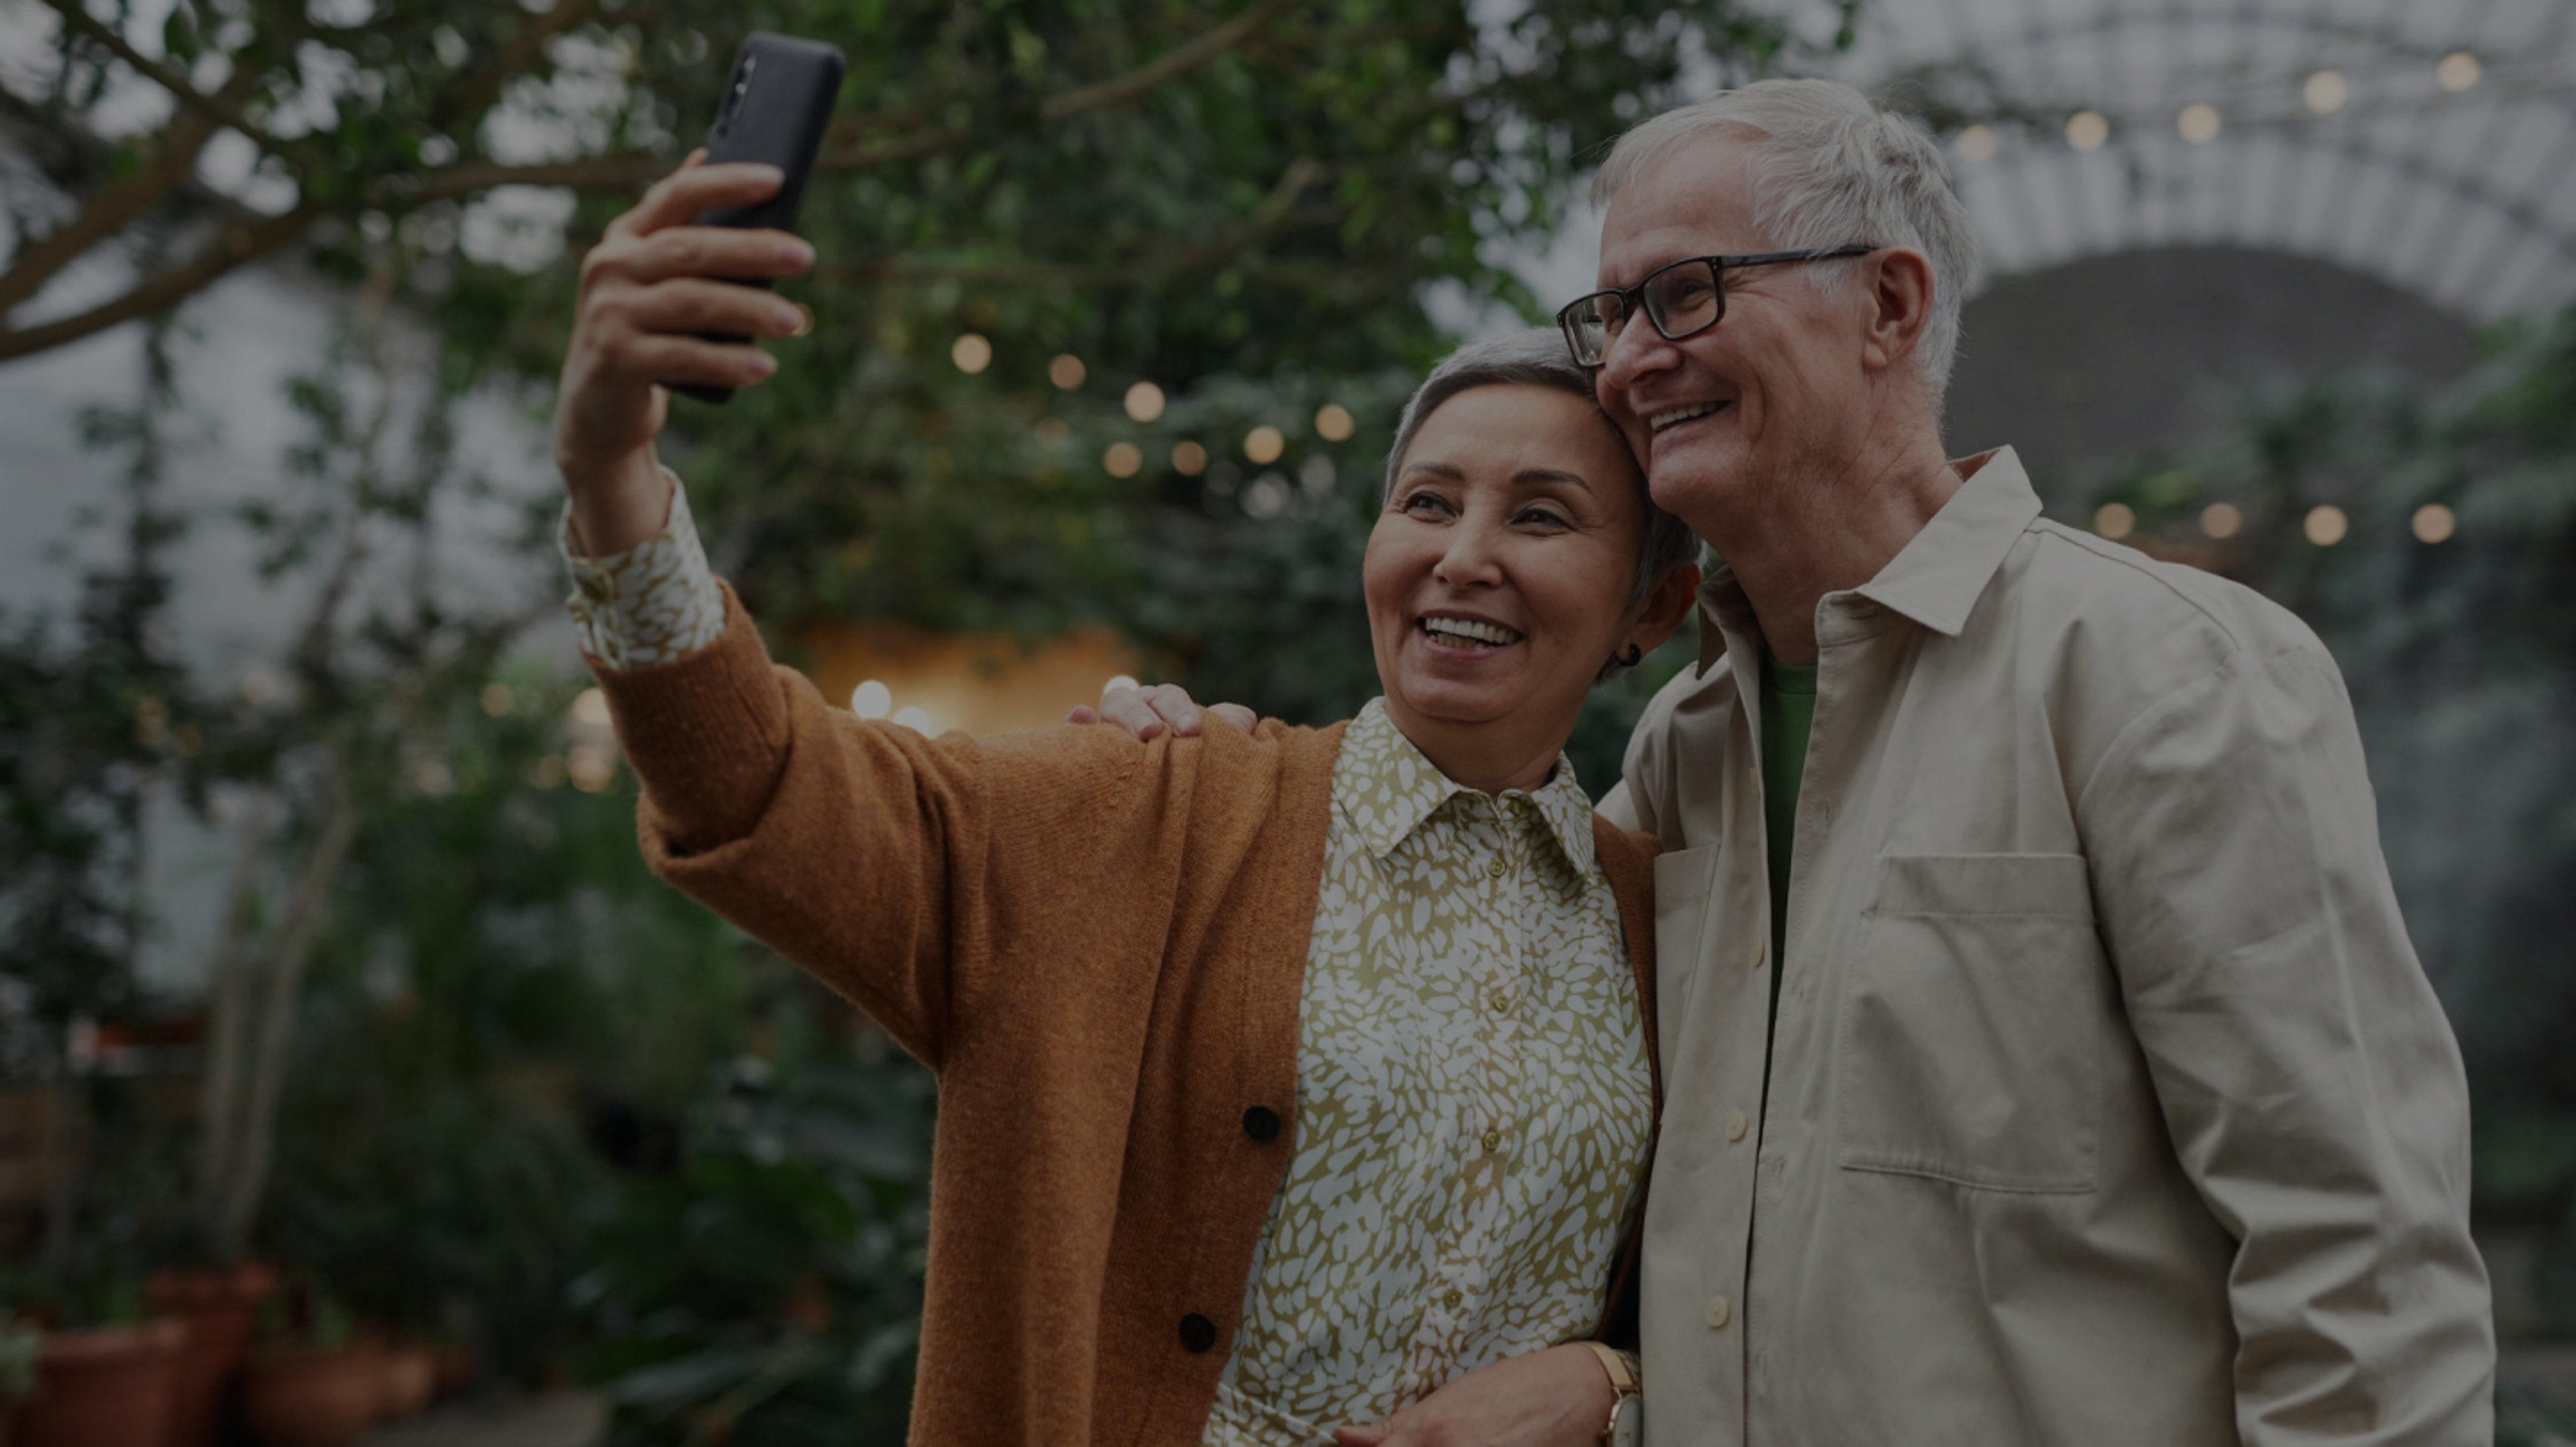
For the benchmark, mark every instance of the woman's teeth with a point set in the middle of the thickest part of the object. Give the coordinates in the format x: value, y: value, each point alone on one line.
x: 1468, y: 630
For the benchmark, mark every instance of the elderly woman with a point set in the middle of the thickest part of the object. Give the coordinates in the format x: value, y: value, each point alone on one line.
x: 1284, y: 1077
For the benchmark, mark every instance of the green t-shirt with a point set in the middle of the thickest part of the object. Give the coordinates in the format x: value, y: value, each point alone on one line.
x: 1788, y: 711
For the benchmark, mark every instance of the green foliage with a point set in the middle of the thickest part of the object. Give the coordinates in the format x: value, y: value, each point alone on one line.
x: 767, y: 1290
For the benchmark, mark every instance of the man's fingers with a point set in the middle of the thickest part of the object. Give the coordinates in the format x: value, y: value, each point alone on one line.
x: 1083, y: 714
x: 1128, y: 709
x: 1235, y: 714
x: 709, y: 251
x: 1174, y: 704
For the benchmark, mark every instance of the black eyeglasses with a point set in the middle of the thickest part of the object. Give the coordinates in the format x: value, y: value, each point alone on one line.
x: 1682, y: 299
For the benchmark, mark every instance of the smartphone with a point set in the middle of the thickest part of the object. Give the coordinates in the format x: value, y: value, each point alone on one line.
x: 777, y: 102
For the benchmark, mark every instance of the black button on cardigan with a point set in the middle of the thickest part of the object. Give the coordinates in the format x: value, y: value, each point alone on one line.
x: 1261, y: 1123
x: 1197, y: 1333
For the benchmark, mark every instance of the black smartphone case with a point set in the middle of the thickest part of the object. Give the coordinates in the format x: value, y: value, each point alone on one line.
x: 777, y: 102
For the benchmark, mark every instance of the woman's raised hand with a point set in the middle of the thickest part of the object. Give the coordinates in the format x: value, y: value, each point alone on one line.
x: 652, y: 286
x: 1147, y: 712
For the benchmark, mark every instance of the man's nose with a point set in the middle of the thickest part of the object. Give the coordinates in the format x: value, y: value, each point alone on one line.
x: 1636, y: 351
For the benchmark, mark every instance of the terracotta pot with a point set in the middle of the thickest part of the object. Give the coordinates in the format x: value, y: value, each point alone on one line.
x: 111, y: 1388
x: 312, y: 1396
x: 409, y: 1378
x: 457, y: 1361
x: 220, y: 1308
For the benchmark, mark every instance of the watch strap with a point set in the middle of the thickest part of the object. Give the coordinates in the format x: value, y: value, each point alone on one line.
x: 1622, y: 1380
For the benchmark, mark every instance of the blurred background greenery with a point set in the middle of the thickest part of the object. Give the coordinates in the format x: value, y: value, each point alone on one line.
x: 1115, y: 306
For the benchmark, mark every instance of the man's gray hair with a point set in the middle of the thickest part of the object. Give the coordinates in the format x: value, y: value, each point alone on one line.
x: 1830, y: 167
x: 1537, y: 357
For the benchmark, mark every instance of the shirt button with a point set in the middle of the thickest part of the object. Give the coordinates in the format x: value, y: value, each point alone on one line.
x: 1450, y: 1299
x: 1719, y: 1311
x: 1197, y: 1333
x: 1493, y: 1140
x: 1501, y: 1002
x: 1261, y: 1123
x: 1736, y: 1125
x: 1495, y: 869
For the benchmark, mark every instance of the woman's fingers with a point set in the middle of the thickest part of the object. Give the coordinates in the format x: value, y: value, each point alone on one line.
x: 1361, y: 1436
x: 680, y: 197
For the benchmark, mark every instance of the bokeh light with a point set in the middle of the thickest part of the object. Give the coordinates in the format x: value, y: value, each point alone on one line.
x: 2221, y: 520
x: 2435, y: 523
x: 1189, y: 459
x: 1977, y: 143
x: 2326, y: 525
x: 1264, y: 443
x: 915, y: 718
x: 872, y: 699
x: 1333, y: 422
x: 2326, y: 92
x: 497, y: 700
x: 2087, y: 130
x: 2198, y: 123
x: 1123, y: 459
x: 971, y: 352
x: 2115, y: 520
x: 1144, y: 402
x: 1066, y: 371
x: 2458, y: 71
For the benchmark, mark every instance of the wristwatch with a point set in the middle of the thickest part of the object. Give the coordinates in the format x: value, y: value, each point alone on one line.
x: 1627, y: 1424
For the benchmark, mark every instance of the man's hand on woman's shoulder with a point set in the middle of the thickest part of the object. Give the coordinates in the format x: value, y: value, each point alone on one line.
x: 1147, y: 712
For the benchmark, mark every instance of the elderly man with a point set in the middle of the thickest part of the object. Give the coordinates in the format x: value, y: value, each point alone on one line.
x: 2046, y: 1061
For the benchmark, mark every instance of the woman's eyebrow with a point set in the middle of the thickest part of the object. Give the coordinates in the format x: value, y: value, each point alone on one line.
x: 1437, y: 469
x: 1546, y: 476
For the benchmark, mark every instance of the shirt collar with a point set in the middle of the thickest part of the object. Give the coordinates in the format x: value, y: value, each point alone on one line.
x: 1385, y: 789
x: 1935, y: 579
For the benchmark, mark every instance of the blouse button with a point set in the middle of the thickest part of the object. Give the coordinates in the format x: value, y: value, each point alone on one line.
x: 1197, y: 1333
x: 1496, y: 869
x: 1493, y: 1141
x: 1450, y: 1299
x: 1261, y: 1123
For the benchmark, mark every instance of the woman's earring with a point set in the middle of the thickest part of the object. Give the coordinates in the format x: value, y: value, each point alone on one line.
x: 1629, y: 659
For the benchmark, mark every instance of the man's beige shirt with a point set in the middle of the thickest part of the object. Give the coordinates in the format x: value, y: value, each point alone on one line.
x: 2107, y: 1101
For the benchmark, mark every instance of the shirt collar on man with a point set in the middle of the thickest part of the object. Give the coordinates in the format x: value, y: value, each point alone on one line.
x: 1386, y: 788
x: 1935, y: 579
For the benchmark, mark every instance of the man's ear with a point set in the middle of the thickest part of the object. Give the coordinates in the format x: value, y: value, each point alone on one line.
x: 1668, y: 602
x: 1900, y: 304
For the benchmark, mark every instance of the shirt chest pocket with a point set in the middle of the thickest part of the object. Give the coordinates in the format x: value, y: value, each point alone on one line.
x: 1974, y: 1024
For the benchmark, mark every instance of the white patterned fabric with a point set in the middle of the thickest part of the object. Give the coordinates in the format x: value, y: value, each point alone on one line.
x: 652, y: 603
x: 1473, y: 1101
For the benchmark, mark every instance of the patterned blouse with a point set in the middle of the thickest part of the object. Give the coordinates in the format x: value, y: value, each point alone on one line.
x: 1473, y: 1100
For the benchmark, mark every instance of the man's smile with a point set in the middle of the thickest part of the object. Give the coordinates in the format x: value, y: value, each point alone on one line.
x: 1660, y: 420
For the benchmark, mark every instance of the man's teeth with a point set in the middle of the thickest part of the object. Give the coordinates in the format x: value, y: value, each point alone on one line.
x: 1468, y: 630
x: 1662, y: 420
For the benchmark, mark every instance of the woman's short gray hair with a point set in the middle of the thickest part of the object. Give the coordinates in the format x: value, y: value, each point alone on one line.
x: 1830, y: 167
x: 1536, y: 357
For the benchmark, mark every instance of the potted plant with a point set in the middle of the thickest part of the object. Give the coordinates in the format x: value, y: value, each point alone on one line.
x: 105, y: 1376
x: 313, y: 1384
x: 221, y: 1306
x: 20, y: 1347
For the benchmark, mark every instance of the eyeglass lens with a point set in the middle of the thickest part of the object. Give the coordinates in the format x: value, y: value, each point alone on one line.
x: 1681, y: 299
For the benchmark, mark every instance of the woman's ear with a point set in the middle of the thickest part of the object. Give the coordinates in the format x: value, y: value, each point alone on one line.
x: 1668, y: 601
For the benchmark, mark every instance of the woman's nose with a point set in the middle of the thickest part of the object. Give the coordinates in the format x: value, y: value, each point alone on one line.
x: 1471, y: 557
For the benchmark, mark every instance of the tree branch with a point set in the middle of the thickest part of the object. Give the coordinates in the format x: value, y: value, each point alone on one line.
x: 109, y: 211
x: 1163, y: 67
x: 217, y: 108
x: 235, y: 246
x: 1277, y: 212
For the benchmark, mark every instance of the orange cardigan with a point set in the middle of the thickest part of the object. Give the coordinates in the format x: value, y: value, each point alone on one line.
x: 1098, y: 947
